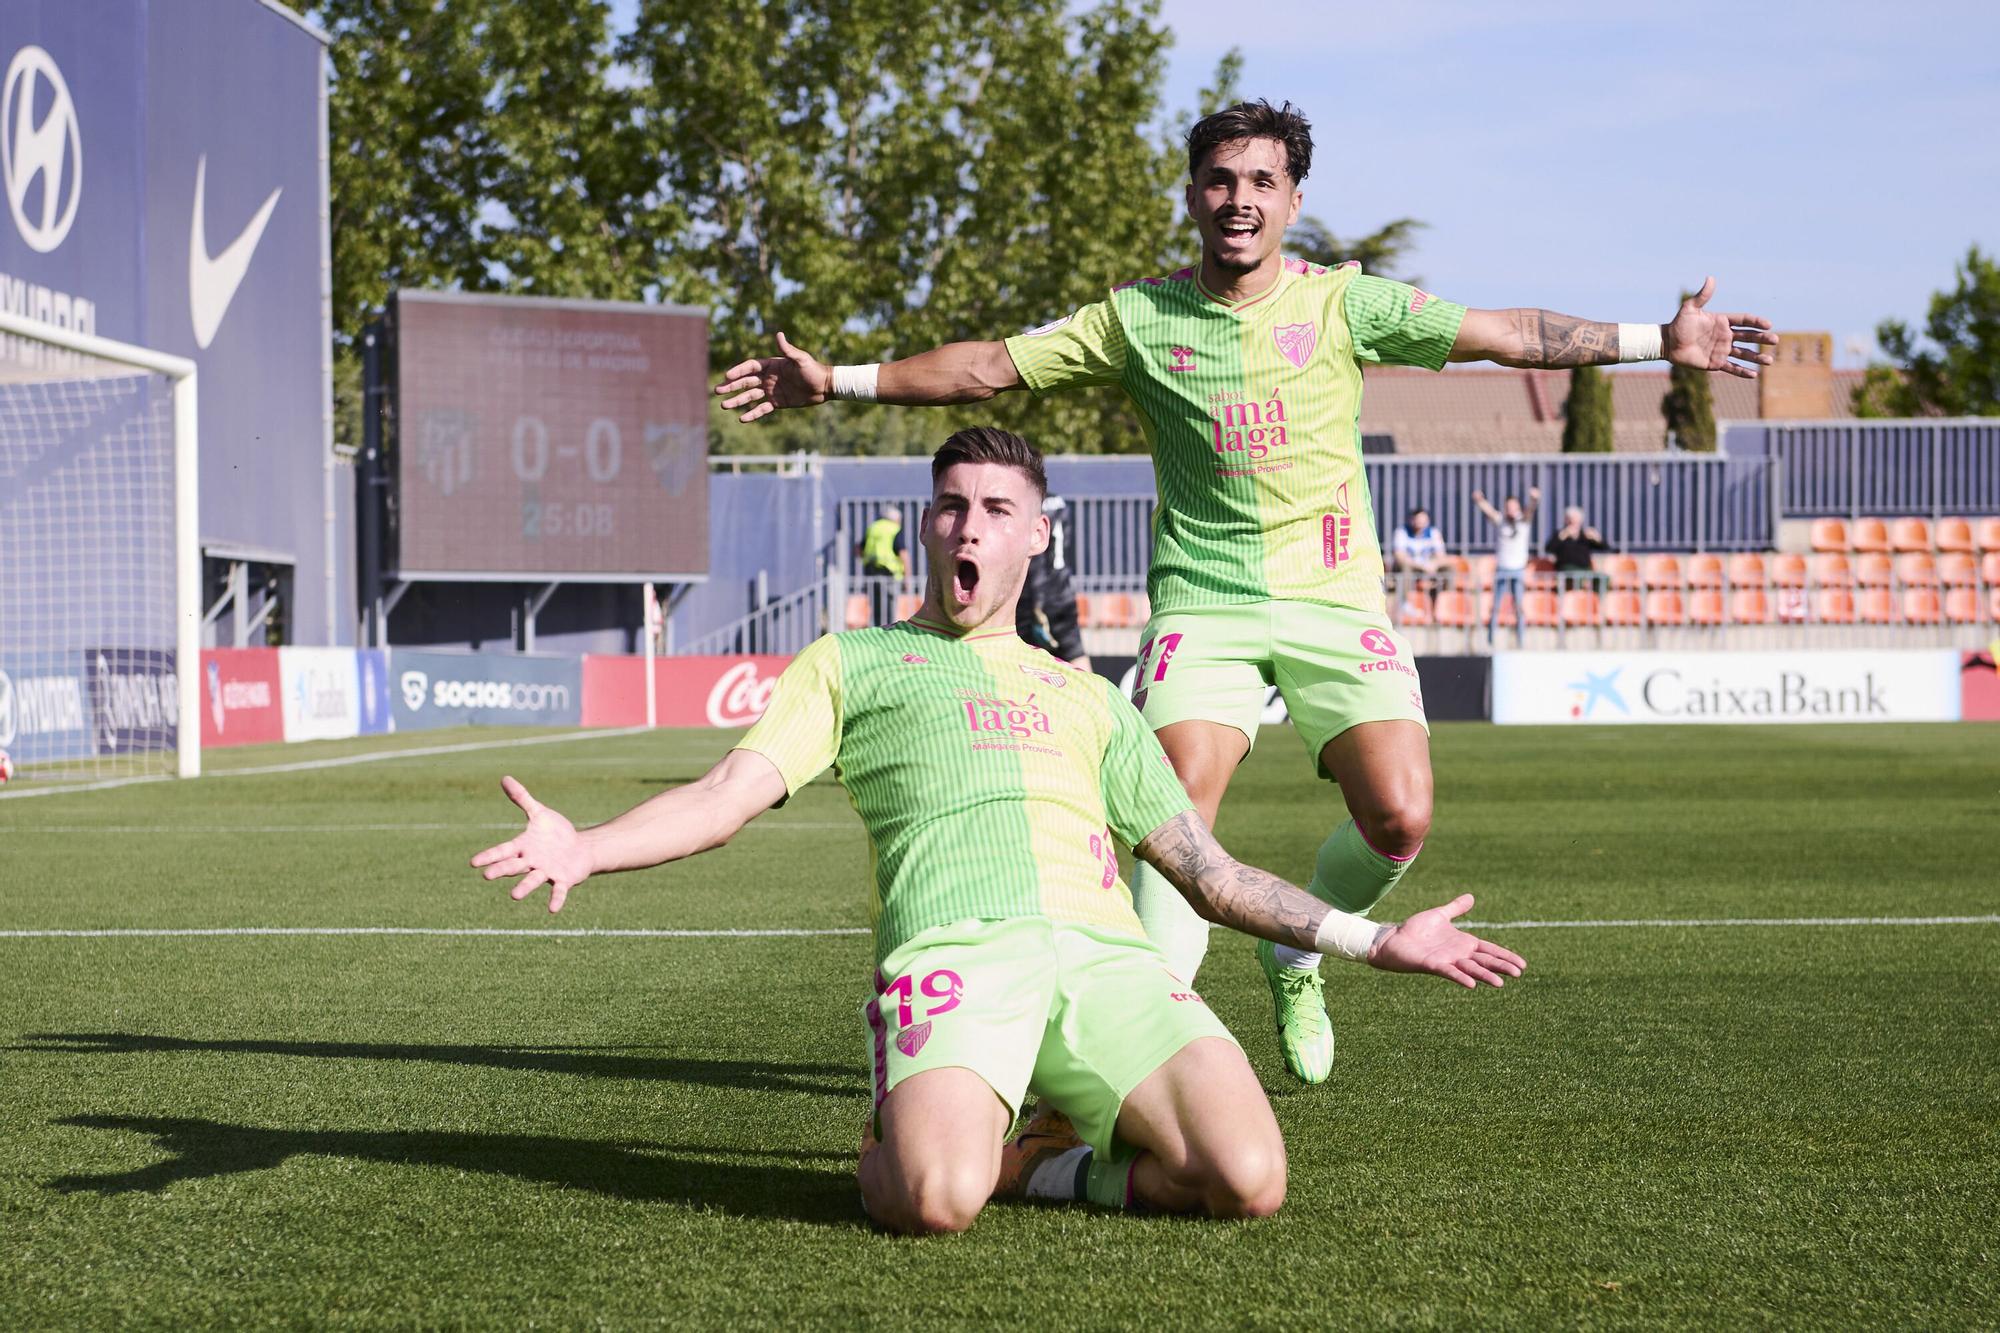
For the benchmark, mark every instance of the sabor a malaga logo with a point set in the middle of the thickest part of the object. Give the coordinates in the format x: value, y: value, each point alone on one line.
x: 49, y: 150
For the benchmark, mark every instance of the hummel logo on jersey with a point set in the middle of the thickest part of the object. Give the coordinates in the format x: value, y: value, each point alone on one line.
x: 1296, y: 341
x: 1420, y: 300
x: 914, y: 660
x: 1183, y: 359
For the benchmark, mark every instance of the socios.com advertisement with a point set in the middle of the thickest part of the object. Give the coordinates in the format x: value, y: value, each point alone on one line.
x: 431, y: 689
x: 1597, y: 688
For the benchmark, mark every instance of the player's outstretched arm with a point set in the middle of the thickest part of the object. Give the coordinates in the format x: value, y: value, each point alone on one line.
x: 704, y: 814
x: 1696, y: 336
x: 969, y: 372
x: 1229, y: 893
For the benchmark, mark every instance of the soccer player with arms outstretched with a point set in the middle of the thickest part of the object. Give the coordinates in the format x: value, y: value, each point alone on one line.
x: 1267, y: 569
x: 992, y: 780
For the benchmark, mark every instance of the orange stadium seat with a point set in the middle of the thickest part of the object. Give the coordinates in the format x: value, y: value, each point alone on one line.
x: 1988, y: 534
x: 1877, y: 607
x: 1663, y: 571
x: 1113, y: 611
x: 908, y: 604
x: 1704, y: 571
x: 1705, y: 607
x: 1579, y: 607
x: 1954, y: 534
x: 1749, y: 606
x: 1832, y: 570
x: 1541, y: 607
x: 1921, y: 607
x: 1454, y: 607
x: 1873, y: 570
x: 1989, y: 568
x: 1541, y: 573
x: 1664, y: 607
x: 1869, y: 534
x: 1829, y: 534
x: 1622, y: 569
x: 1833, y: 606
x: 1788, y: 571
x: 1484, y: 568
x: 1917, y: 569
x: 1084, y: 602
x: 1746, y: 570
x: 1414, y: 610
x: 1961, y: 606
x: 1621, y: 607
x: 1457, y: 571
x: 1792, y: 605
x: 1957, y: 568
x: 1509, y: 611
x: 857, y: 610
x: 1910, y: 534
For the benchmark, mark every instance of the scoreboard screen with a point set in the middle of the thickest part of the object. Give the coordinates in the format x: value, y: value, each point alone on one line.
x: 538, y: 436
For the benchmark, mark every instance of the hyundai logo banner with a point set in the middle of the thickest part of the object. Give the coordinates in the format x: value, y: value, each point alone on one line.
x: 430, y: 689
x: 1593, y: 688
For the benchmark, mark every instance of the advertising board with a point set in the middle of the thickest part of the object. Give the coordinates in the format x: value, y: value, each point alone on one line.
x: 431, y: 689
x: 1595, y: 688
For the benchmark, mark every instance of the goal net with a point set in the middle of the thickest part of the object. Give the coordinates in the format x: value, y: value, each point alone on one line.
x: 100, y: 620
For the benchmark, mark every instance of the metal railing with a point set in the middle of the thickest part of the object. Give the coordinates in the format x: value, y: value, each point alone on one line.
x: 782, y: 626
x: 1889, y: 469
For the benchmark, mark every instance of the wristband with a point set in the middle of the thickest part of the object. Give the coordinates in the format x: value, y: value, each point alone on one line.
x: 858, y: 382
x: 1636, y: 342
x: 1348, y: 936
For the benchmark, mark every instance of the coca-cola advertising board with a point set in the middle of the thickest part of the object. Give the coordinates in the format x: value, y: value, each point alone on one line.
x: 690, y: 691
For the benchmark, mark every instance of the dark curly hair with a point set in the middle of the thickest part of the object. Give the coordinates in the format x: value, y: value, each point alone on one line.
x: 1255, y: 120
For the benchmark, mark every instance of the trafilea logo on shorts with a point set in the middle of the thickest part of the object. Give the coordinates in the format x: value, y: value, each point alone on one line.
x: 1375, y: 641
x: 1296, y: 341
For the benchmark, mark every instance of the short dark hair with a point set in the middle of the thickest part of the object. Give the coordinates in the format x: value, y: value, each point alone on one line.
x: 1255, y: 120
x: 990, y: 444
x: 1414, y: 511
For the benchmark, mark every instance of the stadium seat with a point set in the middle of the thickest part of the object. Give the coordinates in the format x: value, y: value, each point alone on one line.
x: 1917, y: 569
x: 1113, y: 611
x: 1829, y: 534
x: 1579, y: 607
x: 1084, y: 603
x: 1833, y: 606
x: 1705, y: 607
x: 1873, y: 570
x: 1877, y: 607
x: 1989, y: 568
x: 1622, y: 569
x: 1869, y: 534
x: 1664, y: 571
x: 1749, y: 606
x: 1457, y: 571
x: 908, y: 604
x: 1957, y: 569
x: 1541, y: 574
x: 1921, y: 607
x: 1988, y: 534
x: 1704, y: 571
x: 1664, y: 607
x: 1792, y: 605
x: 1415, y: 609
x: 1954, y: 534
x: 1910, y: 534
x: 1454, y: 607
x: 1508, y: 610
x: 1746, y: 570
x: 857, y: 610
x: 1832, y: 570
x: 1541, y: 607
x: 1788, y: 571
x: 1961, y: 606
x: 1483, y: 567
x: 1621, y: 607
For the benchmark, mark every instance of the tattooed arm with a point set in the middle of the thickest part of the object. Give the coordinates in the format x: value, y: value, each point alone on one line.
x: 1543, y: 339
x: 1225, y: 891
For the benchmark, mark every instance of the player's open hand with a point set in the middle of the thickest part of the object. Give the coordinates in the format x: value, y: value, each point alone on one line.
x: 548, y: 851
x: 1711, y: 341
x: 762, y: 385
x: 1429, y: 942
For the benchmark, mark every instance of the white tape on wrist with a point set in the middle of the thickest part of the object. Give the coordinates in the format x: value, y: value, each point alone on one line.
x: 856, y: 382
x: 1348, y: 936
x: 1639, y: 342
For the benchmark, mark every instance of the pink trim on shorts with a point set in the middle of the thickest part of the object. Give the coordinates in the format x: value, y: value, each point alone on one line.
x: 1387, y: 856
x: 880, y: 1028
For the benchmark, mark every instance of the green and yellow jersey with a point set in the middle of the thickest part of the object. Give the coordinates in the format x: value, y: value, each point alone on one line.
x: 1253, y: 414
x: 991, y: 777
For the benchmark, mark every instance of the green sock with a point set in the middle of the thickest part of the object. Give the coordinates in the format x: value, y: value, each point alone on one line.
x: 1110, y: 1182
x: 1353, y: 876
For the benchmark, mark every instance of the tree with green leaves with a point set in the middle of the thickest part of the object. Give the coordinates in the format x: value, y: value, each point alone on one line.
x: 1953, y: 368
x: 1380, y: 252
x: 1689, y: 408
x: 1587, y: 413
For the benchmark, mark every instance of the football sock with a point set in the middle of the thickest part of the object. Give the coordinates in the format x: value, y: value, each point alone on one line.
x: 1171, y: 922
x: 1110, y: 1182
x: 1082, y: 1175
x: 1350, y: 875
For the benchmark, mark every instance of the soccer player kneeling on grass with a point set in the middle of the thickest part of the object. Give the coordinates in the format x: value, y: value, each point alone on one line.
x: 993, y: 779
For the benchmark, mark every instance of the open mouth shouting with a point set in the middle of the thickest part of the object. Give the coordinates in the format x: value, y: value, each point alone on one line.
x: 964, y: 580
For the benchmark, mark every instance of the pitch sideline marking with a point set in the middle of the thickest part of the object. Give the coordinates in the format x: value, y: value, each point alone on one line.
x: 594, y: 932
x: 814, y: 826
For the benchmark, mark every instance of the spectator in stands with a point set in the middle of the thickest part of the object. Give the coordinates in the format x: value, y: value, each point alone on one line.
x: 1510, y: 551
x: 1572, y: 545
x: 1417, y: 547
x: 884, y: 561
x: 1045, y: 615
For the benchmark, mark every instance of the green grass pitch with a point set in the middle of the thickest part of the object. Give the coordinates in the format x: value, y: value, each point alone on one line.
x: 1762, y: 1125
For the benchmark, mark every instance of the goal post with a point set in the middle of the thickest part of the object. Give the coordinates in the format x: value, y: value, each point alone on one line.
x: 100, y: 557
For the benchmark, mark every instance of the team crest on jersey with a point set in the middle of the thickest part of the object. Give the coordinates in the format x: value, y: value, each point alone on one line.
x: 1296, y: 341
x: 1044, y: 675
x: 911, y: 1040
x: 1183, y: 359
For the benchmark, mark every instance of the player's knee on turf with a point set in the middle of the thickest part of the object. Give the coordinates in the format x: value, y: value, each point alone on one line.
x: 939, y: 1197
x: 1243, y: 1178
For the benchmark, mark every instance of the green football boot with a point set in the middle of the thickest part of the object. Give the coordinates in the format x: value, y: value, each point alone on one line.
x: 1305, y: 1033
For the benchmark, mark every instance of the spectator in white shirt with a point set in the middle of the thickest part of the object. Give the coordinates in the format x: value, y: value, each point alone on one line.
x: 1510, y: 564
x: 1417, y: 546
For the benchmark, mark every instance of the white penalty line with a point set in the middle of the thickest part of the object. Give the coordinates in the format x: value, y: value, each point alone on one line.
x: 503, y: 932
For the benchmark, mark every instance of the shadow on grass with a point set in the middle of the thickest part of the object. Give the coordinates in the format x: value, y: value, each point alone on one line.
x: 585, y: 1061
x: 773, y: 1183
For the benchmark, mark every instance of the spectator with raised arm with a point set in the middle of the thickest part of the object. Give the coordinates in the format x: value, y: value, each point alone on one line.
x: 1510, y: 551
x: 1572, y: 545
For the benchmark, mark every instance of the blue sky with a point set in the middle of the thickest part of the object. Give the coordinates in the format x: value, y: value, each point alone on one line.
x: 1828, y: 162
